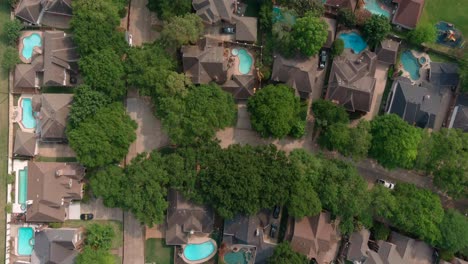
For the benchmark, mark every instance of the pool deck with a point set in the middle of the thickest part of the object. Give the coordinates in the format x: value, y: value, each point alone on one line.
x: 199, y: 240
x: 422, y: 70
x: 37, y: 50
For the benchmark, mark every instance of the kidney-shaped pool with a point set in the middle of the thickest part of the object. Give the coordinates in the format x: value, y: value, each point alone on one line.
x: 197, y: 252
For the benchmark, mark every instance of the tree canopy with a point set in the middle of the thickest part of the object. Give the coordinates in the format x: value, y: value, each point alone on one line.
x: 337, y: 48
x: 454, y: 232
x: 376, y: 29
x: 309, y: 33
x: 99, y: 236
x: 394, y: 142
x: 346, y: 17
x: 327, y: 113
x: 274, y: 111
x: 89, y: 255
x: 86, y: 102
x: 9, y: 58
x: 426, y: 33
x: 284, y: 254
x: 167, y: 9
x: 104, y: 138
x: 182, y: 30
x: 12, y: 31
x: 302, y: 7
x: 104, y: 71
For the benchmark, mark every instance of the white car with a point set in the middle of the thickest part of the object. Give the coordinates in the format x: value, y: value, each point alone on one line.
x: 386, y: 184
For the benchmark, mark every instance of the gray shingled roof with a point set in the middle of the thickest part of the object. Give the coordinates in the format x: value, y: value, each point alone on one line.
x: 53, y: 113
x: 240, y: 86
x: 25, y: 144
x: 444, y: 74
x: 56, y: 246
x: 387, y: 51
x: 358, y: 248
x: 29, y: 10
x: 60, y: 58
x: 213, y: 11
x: 246, y: 29
x: 459, y: 117
x: 53, y: 13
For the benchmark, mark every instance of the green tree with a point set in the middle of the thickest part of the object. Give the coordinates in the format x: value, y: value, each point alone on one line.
x: 394, y: 142
x: 282, y: 33
x: 303, y: 201
x: 94, y: 25
x: 86, y: 103
x: 463, y: 72
x: 346, y: 17
x: 335, y: 137
x: 361, y: 139
x: 198, y: 115
x: 89, y: 255
x: 337, y: 48
x: 10, y: 58
x: 383, y: 204
x: 309, y: 34
x: 167, y: 9
x: 327, y: 113
x: 265, y: 16
x: 426, y: 33
x: 176, y: 85
x: 454, y: 230
x: 274, y: 110
x: 104, y: 71
x: 284, y: 254
x: 380, y: 231
x: 302, y: 7
x: 182, y: 30
x: 376, y: 29
x: 419, y: 212
x: 99, y: 236
x: 12, y: 31
x: 107, y: 183
x: 103, y: 138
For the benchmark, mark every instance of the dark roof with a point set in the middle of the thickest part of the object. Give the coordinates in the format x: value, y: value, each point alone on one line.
x: 56, y: 246
x: 352, y: 81
x: 60, y: 58
x: 53, y: 113
x: 387, y: 51
x: 29, y: 10
x: 205, y: 62
x: 51, y: 186
x: 411, y: 250
x: 25, y: 144
x: 242, y: 230
x: 299, y: 73
x: 417, y: 105
x: 184, y: 217
x: 444, y: 74
x: 240, y: 86
x: 25, y: 74
x: 459, y: 117
x: 408, y: 13
x: 246, y: 29
x: 213, y: 11
x: 53, y: 13
x: 351, y: 4
x: 357, y: 250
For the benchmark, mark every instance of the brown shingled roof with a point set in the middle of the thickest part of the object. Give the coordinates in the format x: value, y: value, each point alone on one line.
x: 29, y: 10
x: 246, y: 29
x: 25, y: 144
x: 241, y: 86
x: 53, y: 113
x: 387, y: 51
x: 60, y: 58
x: 408, y: 13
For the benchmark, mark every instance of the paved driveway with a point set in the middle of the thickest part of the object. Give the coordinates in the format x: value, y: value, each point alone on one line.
x: 101, y: 212
x: 381, y: 76
x: 140, y: 23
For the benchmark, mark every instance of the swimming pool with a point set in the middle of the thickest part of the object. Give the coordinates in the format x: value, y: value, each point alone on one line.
x: 245, y: 60
x: 196, y: 252
x: 375, y: 7
x: 23, y: 186
x: 34, y: 40
x: 235, y: 258
x: 354, y: 41
x: 27, y: 118
x: 410, y: 64
x: 25, y: 241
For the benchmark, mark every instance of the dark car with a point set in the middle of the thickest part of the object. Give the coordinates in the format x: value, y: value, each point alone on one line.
x: 273, y: 230
x: 276, y: 212
x: 323, y: 59
x: 86, y: 217
x: 228, y: 30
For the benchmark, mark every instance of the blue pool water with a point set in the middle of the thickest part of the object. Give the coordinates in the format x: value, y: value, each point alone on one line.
x: 25, y: 241
x: 245, y: 61
x: 28, y: 115
x: 195, y: 252
x: 29, y: 43
x: 235, y: 258
x: 354, y: 41
x: 411, y: 65
x: 375, y: 8
x: 23, y: 186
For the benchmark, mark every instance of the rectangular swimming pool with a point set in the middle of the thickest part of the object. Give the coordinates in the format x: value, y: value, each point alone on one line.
x: 23, y: 186
x: 27, y: 118
x: 25, y: 241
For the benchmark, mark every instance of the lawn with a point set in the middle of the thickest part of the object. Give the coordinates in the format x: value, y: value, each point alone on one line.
x: 117, y: 226
x: 157, y: 252
x: 56, y: 159
x: 4, y: 16
x: 452, y: 11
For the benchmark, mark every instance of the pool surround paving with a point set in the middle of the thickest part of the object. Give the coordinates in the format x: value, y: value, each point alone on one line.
x: 199, y: 240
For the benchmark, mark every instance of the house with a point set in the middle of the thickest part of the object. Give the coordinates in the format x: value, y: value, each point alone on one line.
x: 52, y: 186
x: 250, y: 230
x: 51, y: 13
x: 454, y: 261
x: 246, y: 28
x: 299, y: 73
x: 387, y: 51
x: 25, y: 144
x: 52, y: 113
x: 316, y: 237
x: 56, y: 66
x: 214, y: 11
x: 399, y: 250
x: 331, y: 32
x: 407, y: 13
x: 205, y: 62
x: 59, y: 246
x: 332, y: 6
x: 352, y: 81
x: 444, y: 75
x: 459, y: 117
x: 185, y: 218
x: 240, y: 86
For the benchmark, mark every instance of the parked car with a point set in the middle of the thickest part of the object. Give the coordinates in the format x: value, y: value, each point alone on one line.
x: 86, y: 217
x: 276, y: 212
x: 228, y: 30
x: 386, y: 184
x: 273, y: 230
x: 323, y: 59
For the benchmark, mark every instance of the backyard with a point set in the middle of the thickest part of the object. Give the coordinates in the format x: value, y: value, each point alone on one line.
x: 451, y: 11
x: 157, y: 252
x: 4, y: 16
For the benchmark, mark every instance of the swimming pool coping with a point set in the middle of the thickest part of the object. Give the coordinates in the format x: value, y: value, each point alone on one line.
x: 422, y: 69
x: 17, y: 241
x: 19, y: 113
x: 21, y: 45
x: 201, y: 260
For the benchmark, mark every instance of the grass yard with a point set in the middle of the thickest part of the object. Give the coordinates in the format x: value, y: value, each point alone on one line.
x: 4, y: 17
x: 156, y: 252
x: 451, y: 11
x: 56, y: 159
x: 117, y: 226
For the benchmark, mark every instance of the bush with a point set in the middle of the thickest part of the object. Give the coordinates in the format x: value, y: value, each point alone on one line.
x: 11, y: 178
x: 8, y: 208
x: 346, y: 17
x: 423, y: 34
x: 99, y: 236
x: 10, y: 58
x: 12, y: 31
x: 380, y: 231
x: 337, y: 48
x: 55, y: 225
